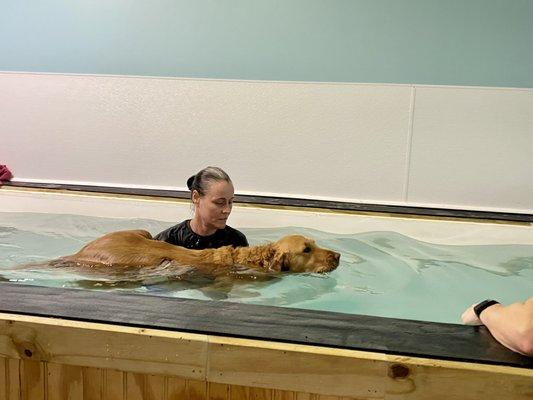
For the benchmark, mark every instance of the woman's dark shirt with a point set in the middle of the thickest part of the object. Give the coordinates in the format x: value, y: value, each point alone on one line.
x: 182, y: 235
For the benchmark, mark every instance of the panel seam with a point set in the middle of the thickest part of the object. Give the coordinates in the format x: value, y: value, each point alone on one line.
x: 405, y: 196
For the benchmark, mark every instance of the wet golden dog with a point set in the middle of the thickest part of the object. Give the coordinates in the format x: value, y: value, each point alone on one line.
x: 123, y: 249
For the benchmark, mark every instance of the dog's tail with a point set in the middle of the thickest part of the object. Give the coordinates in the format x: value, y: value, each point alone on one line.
x: 58, y: 262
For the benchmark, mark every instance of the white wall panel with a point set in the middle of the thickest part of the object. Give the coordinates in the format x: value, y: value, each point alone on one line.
x: 316, y: 140
x: 472, y: 148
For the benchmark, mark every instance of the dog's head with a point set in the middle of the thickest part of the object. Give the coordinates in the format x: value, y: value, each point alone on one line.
x: 296, y: 253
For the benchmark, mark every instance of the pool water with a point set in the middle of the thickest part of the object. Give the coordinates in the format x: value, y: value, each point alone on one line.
x: 381, y: 273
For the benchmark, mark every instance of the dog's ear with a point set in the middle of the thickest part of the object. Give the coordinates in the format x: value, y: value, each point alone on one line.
x: 278, y: 263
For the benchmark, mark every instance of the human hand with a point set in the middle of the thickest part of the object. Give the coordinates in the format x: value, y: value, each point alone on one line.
x: 469, y: 317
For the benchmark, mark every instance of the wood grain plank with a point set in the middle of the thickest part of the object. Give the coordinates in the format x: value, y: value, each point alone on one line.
x: 32, y: 380
x: 305, y: 396
x: 217, y: 391
x: 176, y: 388
x: 197, y: 390
x: 134, y: 386
x: 424, y: 382
x: 283, y: 395
x: 260, y: 394
x: 86, y: 344
x: 64, y: 382
x: 113, y: 385
x: 296, y: 369
x: 238, y: 392
x: 93, y: 383
x: 13, y: 378
x: 154, y: 387
x: 3, y: 378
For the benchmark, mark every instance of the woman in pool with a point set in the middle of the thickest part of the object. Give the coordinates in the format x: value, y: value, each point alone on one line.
x: 212, y: 195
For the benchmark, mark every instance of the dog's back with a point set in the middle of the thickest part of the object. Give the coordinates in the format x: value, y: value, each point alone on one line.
x: 123, y: 248
x: 138, y: 248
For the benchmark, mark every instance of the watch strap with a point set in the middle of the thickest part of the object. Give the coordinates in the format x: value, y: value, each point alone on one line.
x: 479, y: 308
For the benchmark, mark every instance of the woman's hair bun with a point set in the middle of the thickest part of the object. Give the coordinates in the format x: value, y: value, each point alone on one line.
x: 190, y: 182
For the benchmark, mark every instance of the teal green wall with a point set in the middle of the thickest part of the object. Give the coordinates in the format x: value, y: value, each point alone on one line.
x: 451, y: 42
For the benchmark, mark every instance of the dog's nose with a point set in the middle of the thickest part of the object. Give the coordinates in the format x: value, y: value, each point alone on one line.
x: 336, y: 256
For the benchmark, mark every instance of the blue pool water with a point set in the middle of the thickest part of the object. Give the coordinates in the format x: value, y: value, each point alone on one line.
x: 381, y: 273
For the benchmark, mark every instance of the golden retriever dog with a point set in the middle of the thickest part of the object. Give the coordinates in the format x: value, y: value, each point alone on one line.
x: 137, y: 248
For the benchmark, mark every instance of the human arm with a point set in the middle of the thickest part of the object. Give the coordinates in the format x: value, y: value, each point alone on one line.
x: 510, y: 325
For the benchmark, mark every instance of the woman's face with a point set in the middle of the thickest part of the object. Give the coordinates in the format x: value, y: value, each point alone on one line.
x: 214, y: 208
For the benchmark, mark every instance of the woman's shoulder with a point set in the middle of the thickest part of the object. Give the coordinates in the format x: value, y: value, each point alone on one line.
x: 173, y: 231
x: 238, y: 238
x: 229, y: 229
x: 180, y: 226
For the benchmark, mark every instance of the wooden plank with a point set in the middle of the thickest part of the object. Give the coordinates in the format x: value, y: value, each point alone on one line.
x: 260, y: 394
x: 32, y: 380
x: 196, y: 390
x: 283, y: 395
x: 3, y: 378
x: 305, y: 396
x: 134, y: 386
x: 293, y: 368
x: 176, y: 388
x: 354, y: 374
x: 104, y: 346
x: 231, y: 361
x: 423, y: 382
x: 217, y: 391
x: 113, y: 385
x: 154, y: 387
x: 238, y: 392
x: 93, y: 383
x: 63, y: 382
x: 13, y: 378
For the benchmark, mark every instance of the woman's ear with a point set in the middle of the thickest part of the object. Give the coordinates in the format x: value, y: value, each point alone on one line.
x: 278, y: 263
x: 195, y: 197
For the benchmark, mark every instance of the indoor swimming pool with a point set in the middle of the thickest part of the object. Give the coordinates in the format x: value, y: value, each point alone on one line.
x: 384, y: 322
x: 381, y: 273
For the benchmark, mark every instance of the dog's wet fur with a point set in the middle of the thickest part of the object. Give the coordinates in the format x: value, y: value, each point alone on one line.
x: 132, y: 258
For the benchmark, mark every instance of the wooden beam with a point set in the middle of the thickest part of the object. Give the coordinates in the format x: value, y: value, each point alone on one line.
x: 193, y: 362
x: 103, y: 346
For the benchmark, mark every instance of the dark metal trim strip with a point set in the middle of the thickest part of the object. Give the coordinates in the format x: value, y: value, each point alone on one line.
x: 294, y: 202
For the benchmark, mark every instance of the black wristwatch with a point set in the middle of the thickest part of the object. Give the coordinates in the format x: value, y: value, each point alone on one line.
x: 478, y: 309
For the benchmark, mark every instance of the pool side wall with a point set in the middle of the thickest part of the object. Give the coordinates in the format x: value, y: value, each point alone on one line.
x: 56, y: 359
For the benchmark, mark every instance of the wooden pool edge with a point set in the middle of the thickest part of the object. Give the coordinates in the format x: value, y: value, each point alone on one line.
x: 31, y: 346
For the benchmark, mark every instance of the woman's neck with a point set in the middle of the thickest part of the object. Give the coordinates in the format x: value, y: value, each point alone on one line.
x: 201, y: 228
